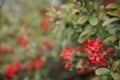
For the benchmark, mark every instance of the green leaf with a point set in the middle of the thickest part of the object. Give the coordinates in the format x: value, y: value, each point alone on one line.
x: 115, y: 66
x: 93, y: 20
x: 119, y: 43
x: 110, y: 39
x: 82, y: 19
x: 116, y: 76
x: 112, y: 30
x: 112, y: 6
x: 85, y: 32
x: 114, y: 13
x: 101, y: 71
x: 109, y: 21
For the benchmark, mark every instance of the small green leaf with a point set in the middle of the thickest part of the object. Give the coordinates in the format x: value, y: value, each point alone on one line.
x: 109, y: 21
x: 82, y: 19
x: 112, y: 6
x: 116, y: 76
x: 110, y: 39
x: 85, y: 32
x: 93, y: 20
x: 115, y: 66
x: 101, y: 71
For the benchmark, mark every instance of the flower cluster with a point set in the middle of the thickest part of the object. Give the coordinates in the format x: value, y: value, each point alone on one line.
x: 94, y: 49
x: 22, y: 41
x: 35, y: 63
x: 66, y: 56
x: 5, y: 49
x: 11, y: 69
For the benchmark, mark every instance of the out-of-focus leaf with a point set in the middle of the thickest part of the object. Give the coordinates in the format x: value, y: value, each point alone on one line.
x: 115, y: 65
x: 82, y: 19
x: 101, y: 71
x: 26, y: 78
x: 85, y: 32
x: 116, y: 76
x: 119, y: 43
x: 116, y: 47
x: 112, y: 30
x: 93, y: 20
x: 110, y: 39
x: 115, y: 13
x: 109, y: 21
x: 112, y: 6
x: 78, y: 63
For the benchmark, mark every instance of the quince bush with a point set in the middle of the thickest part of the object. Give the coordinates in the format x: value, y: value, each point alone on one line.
x: 89, y: 34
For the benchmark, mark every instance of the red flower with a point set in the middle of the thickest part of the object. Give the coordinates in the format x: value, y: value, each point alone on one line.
x: 66, y: 53
x: 94, y: 45
x: 9, y: 71
x: 102, y: 62
x: 17, y: 66
x: 67, y: 65
x: 44, y: 24
x: 35, y: 64
x: 112, y: 1
x: 80, y: 70
x: 22, y: 41
x: 83, y: 62
x: 110, y: 51
x: 95, y: 56
x: 38, y: 63
x: 89, y: 69
x: 3, y: 49
x: 78, y: 49
x: 94, y: 49
x: 30, y: 65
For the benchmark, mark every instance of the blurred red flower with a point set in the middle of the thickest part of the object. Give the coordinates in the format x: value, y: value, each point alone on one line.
x: 9, y: 71
x: 30, y: 65
x: 83, y: 62
x: 110, y: 51
x: 112, y: 1
x: 78, y: 49
x: 3, y: 49
x: 44, y: 24
x: 35, y: 64
x: 38, y: 63
x: 22, y: 41
x: 17, y: 66
x: 89, y: 69
x: 67, y: 65
x: 80, y: 70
